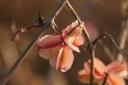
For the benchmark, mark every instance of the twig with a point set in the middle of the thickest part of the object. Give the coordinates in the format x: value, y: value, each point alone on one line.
x: 55, y: 27
x: 105, y: 35
x: 87, y: 37
x: 29, y: 47
x: 105, y: 79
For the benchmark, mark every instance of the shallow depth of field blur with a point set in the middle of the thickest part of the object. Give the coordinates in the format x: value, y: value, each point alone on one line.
x: 14, y: 14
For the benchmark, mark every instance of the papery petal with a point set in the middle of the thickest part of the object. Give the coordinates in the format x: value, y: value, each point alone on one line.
x: 65, y: 59
x: 59, y: 58
x: 115, y: 80
x: 79, y: 41
x: 72, y: 34
x: 49, y: 53
x: 70, y: 27
x: 49, y: 41
x: 73, y: 47
x: 118, y: 68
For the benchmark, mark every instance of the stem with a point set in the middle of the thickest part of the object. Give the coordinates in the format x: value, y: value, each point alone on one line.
x: 54, y: 26
x: 79, y: 20
x: 105, y: 35
x: 29, y: 47
x: 87, y: 37
x: 105, y: 79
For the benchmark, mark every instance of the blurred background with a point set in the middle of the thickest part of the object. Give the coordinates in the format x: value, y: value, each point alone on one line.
x: 99, y: 16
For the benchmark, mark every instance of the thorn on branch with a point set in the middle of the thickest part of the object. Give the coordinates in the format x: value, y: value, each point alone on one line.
x: 39, y: 19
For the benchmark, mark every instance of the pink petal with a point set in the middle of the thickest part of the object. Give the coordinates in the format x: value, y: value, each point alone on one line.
x: 49, y: 41
x: 49, y: 53
x: 115, y: 80
x: 65, y: 59
x: 118, y: 67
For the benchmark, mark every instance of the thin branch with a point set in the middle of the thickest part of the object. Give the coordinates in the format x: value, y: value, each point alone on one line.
x: 87, y: 37
x: 79, y: 20
x: 29, y: 47
x: 105, y: 35
x: 55, y: 27
x: 105, y: 79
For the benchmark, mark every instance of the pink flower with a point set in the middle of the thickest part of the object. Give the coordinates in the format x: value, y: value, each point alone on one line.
x: 116, y: 70
x: 58, y: 48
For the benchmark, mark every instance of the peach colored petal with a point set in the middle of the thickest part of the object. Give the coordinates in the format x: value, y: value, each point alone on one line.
x: 119, y: 68
x: 72, y: 34
x: 84, y: 77
x: 73, y: 47
x: 49, y: 41
x: 79, y: 41
x: 115, y: 80
x: 59, y: 58
x: 65, y: 59
x: 70, y: 27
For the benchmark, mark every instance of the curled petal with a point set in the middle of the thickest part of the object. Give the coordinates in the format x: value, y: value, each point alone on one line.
x: 72, y: 32
x: 49, y: 41
x: 73, y: 47
x: 65, y: 59
x: 119, y: 68
x: 70, y: 27
x: 59, y: 58
x: 115, y: 80
x: 74, y: 35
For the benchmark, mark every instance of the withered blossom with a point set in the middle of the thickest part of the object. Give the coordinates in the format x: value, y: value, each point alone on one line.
x: 58, y: 48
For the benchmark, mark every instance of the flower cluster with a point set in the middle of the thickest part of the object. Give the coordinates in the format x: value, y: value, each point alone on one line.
x: 58, y: 49
x: 117, y: 71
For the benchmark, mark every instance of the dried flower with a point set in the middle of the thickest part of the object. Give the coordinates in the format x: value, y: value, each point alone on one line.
x: 116, y: 71
x: 58, y: 48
